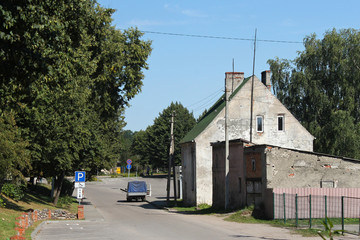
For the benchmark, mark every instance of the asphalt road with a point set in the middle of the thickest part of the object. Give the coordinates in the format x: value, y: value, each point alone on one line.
x: 109, y: 216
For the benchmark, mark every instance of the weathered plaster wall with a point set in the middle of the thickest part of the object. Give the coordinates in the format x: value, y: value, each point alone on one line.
x: 288, y: 168
x: 204, y: 168
x: 268, y: 106
x: 188, y: 172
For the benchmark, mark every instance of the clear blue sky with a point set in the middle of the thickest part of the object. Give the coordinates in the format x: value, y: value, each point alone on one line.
x: 191, y: 70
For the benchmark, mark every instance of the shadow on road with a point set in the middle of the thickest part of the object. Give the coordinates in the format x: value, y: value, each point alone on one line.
x: 146, y: 204
x: 86, y: 203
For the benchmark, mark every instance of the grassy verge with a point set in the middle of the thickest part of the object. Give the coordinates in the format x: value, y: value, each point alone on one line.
x: 35, y: 198
x: 200, y: 209
x: 248, y: 215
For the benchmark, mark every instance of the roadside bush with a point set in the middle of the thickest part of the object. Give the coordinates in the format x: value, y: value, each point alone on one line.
x: 203, y: 206
x: 67, y: 188
x: 2, y: 203
x: 13, y: 191
x: 93, y: 178
x: 64, y: 202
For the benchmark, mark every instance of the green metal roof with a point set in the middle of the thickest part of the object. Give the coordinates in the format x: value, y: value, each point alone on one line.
x: 210, y: 115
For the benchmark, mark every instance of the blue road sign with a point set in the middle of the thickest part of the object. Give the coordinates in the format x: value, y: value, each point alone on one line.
x: 128, y: 166
x: 80, y: 176
x: 129, y: 161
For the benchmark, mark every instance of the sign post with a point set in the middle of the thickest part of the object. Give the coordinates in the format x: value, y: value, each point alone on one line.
x: 80, y: 184
x: 128, y: 166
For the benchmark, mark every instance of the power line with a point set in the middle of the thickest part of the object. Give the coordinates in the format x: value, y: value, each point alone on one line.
x: 219, y: 37
x: 206, y: 104
x: 211, y: 96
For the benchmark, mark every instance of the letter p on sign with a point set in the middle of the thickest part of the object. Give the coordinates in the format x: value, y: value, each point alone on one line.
x: 80, y: 176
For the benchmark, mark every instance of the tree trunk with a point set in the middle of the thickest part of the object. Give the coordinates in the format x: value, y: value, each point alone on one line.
x: 58, y: 186
x: 31, y: 181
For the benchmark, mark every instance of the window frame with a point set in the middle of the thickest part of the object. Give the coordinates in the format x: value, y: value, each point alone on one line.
x: 257, y: 123
x: 281, y: 116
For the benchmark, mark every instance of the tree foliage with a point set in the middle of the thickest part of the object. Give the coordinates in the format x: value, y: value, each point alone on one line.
x: 140, y: 146
x: 321, y: 88
x: 67, y: 73
x: 14, y: 157
x: 153, y: 144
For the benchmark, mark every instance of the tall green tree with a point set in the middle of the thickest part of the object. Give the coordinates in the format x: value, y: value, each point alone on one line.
x: 14, y: 157
x: 126, y: 139
x: 140, y: 146
x: 321, y: 87
x: 154, y: 144
x: 71, y: 75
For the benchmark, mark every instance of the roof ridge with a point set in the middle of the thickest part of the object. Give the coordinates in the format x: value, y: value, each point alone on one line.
x: 214, y: 110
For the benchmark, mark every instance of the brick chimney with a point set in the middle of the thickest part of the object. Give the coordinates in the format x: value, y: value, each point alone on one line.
x: 265, y: 79
x: 233, y: 80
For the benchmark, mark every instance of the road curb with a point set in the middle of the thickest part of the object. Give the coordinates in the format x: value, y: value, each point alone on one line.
x: 37, y: 230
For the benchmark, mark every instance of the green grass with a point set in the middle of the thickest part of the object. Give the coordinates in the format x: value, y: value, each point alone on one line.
x: 115, y: 175
x: 319, y: 221
x: 249, y: 215
x: 35, y: 198
x: 200, y: 209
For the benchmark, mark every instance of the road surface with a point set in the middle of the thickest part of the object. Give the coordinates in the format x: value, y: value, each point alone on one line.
x: 109, y: 216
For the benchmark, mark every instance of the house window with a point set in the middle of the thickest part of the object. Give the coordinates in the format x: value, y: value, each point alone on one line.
x: 259, y: 123
x: 281, y: 122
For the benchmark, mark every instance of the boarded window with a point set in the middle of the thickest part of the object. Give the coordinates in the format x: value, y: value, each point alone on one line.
x: 250, y: 186
x: 253, y: 186
x: 327, y: 184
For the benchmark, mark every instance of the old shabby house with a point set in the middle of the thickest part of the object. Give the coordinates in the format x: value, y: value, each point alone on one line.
x: 272, y: 123
x: 257, y: 171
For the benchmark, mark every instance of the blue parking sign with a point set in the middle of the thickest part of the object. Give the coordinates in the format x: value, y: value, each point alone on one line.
x: 80, y: 176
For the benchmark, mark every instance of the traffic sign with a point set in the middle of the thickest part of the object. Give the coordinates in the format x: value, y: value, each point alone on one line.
x: 128, y: 166
x: 129, y: 161
x: 80, y: 176
x: 80, y: 193
x: 79, y: 184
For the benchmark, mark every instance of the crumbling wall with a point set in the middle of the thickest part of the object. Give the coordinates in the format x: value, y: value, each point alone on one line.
x: 287, y: 168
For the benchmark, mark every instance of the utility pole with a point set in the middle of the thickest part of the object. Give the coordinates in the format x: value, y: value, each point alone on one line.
x: 252, y: 90
x: 227, y: 94
x: 171, y: 160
